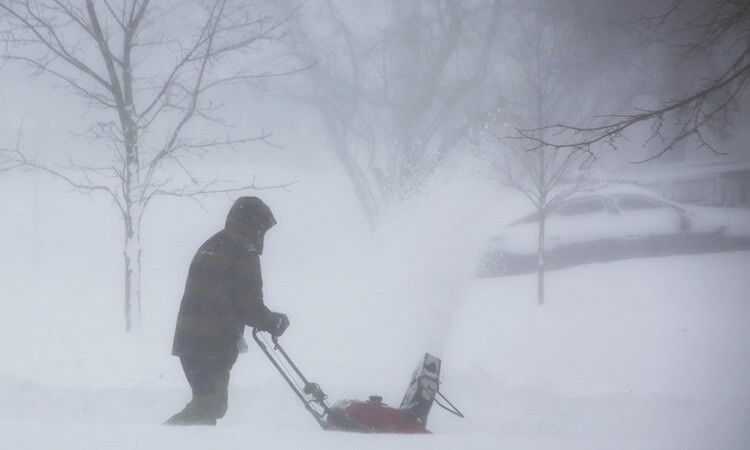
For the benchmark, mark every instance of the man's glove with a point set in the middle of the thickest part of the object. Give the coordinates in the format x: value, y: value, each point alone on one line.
x: 277, y: 324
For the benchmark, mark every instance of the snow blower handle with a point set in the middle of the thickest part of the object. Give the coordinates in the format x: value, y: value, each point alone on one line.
x: 311, y: 394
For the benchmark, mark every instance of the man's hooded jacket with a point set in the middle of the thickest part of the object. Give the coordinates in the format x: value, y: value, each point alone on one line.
x: 224, y: 288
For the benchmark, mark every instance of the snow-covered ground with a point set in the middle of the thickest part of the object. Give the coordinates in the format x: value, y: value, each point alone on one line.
x: 637, y: 354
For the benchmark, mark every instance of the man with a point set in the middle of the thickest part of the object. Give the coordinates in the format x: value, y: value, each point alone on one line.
x: 223, y: 294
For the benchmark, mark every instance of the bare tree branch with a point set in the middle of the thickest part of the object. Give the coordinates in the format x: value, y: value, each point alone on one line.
x: 708, y: 105
x: 37, y: 25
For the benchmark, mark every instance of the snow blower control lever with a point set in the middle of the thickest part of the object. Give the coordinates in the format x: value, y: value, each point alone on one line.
x: 372, y: 415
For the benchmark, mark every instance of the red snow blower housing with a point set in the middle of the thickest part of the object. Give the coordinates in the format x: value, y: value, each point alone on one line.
x: 370, y: 416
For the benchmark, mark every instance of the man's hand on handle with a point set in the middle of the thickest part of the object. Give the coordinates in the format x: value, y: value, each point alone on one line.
x: 277, y: 324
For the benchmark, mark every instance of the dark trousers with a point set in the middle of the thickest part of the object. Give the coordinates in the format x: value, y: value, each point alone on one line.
x: 208, y: 376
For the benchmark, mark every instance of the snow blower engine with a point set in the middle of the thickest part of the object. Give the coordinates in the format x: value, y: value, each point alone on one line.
x: 372, y: 415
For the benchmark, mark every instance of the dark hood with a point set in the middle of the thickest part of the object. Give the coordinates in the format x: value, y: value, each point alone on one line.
x: 251, y: 217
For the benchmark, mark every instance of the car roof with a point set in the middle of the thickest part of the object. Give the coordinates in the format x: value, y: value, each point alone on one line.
x: 606, y: 190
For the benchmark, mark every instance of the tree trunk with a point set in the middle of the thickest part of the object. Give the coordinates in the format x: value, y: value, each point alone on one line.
x: 362, y: 190
x: 540, y: 260
x: 132, y: 215
x: 132, y: 255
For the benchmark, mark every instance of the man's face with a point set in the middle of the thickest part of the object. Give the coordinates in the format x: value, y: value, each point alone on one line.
x: 259, y: 240
x: 261, y: 233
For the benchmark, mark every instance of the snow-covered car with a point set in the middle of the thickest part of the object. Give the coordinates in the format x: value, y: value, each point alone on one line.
x: 615, y: 222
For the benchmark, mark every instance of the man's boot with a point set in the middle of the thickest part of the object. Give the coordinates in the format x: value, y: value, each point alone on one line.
x: 192, y: 415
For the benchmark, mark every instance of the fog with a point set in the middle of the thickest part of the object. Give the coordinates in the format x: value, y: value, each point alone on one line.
x: 553, y: 197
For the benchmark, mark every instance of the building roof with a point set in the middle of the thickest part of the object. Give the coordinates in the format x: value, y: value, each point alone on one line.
x: 686, y: 170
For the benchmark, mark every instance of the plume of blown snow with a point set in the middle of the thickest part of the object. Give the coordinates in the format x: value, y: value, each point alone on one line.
x: 411, y: 280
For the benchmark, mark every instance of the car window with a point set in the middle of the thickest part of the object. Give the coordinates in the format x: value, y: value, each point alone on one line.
x: 638, y: 204
x: 531, y: 218
x: 579, y: 207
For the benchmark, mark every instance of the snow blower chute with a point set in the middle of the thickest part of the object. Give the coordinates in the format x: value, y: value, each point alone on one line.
x: 372, y: 415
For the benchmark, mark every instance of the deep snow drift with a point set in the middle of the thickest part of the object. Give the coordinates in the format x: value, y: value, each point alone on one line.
x: 647, y: 353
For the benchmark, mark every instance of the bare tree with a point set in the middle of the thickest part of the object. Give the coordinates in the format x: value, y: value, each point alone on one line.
x: 150, y: 80
x: 551, y: 56
x: 390, y: 82
x: 719, y: 29
x: 546, y: 177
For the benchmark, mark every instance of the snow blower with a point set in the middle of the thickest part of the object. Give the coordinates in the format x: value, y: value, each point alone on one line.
x: 369, y: 416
